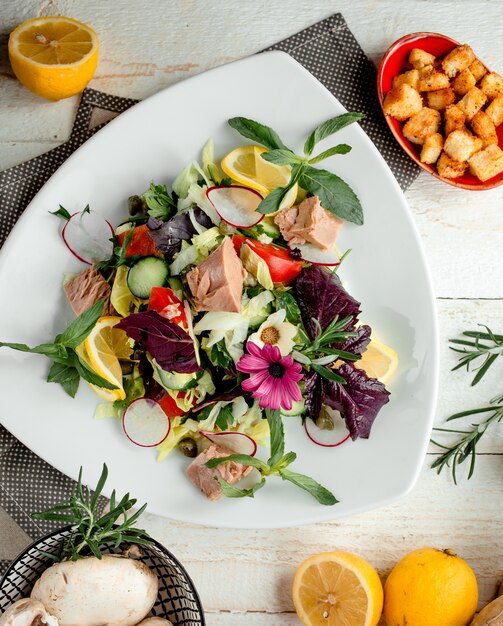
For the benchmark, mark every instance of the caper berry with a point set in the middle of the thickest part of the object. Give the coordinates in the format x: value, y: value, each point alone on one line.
x: 188, y: 447
x: 325, y: 421
x: 135, y: 205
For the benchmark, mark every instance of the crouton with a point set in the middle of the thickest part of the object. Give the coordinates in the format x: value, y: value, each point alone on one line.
x: 421, y: 124
x: 440, y: 99
x: 472, y: 102
x: 460, y: 145
x: 477, y: 68
x: 432, y: 147
x: 487, y: 163
x: 410, y: 78
x: 457, y: 60
x: 402, y: 102
x: 495, y: 110
x: 449, y: 168
x: 492, y: 85
x: 433, y: 80
x: 454, y: 119
x: 463, y: 82
x: 427, y: 69
x: 419, y: 58
x: 484, y: 128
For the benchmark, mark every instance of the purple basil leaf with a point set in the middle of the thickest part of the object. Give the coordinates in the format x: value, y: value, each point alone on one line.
x: 153, y: 389
x: 313, y: 394
x: 320, y: 294
x: 153, y: 223
x: 357, y: 344
x: 169, y: 235
x: 227, y: 396
x: 170, y: 345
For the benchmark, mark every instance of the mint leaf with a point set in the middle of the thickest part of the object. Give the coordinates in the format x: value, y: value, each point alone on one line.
x: 286, y: 301
x: 257, y: 132
x: 230, y: 491
x: 341, y: 148
x: 62, y: 213
x: 282, y: 157
x: 335, y: 195
x: 273, y: 200
x: 324, y: 496
x: 67, y: 376
x: 277, y: 436
x: 285, y: 461
x: 328, y: 373
x: 225, y: 417
x: 244, y: 459
x: 80, y: 328
x: 328, y: 128
x: 87, y: 374
x: 51, y: 350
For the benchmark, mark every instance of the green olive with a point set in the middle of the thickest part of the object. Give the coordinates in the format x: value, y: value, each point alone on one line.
x: 188, y: 447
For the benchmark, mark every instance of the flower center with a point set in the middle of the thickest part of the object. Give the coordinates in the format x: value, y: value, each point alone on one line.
x: 276, y: 370
x: 269, y: 335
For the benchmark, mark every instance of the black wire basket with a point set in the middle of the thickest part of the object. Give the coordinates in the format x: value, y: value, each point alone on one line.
x: 177, y: 599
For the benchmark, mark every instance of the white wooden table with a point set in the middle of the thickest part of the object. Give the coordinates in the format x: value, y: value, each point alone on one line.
x: 244, y: 577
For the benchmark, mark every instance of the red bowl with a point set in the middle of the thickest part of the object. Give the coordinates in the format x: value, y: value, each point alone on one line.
x: 394, y: 62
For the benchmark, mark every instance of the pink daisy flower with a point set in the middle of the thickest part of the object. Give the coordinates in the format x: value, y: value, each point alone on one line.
x: 273, y: 378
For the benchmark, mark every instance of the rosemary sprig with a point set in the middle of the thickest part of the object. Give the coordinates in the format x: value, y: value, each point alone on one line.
x: 90, y: 531
x: 479, y: 346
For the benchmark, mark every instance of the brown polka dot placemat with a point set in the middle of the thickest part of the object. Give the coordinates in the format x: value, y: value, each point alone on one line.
x: 330, y: 52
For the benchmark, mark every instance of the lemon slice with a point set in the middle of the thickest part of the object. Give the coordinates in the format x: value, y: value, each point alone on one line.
x: 378, y: 361
x: 245, y: 166
x: 334, y: 588
x: 104, y: 346
x: 55, y: 57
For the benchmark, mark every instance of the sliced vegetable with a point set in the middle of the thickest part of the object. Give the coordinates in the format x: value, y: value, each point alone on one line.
x: 88, y: 236
x: 147, y: 273
x: 165, y: 301
x: 237, y: 442
x: 170, y: 407
x: 316, y: 256
x: 145, y: 423
x: 174, y: 380
x: 141, y: 242
x: 236, y: 205
x: 281, y: 266
x: 327, y: 437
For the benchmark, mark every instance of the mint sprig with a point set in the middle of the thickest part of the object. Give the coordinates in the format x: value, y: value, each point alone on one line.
x: 275, y: 466
x: 335, y: 194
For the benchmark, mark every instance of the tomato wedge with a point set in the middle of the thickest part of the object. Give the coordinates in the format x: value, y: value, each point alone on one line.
x: 165, y: 301
x: 170, y: 407
x: 141, y: 242
x: 281, y: 266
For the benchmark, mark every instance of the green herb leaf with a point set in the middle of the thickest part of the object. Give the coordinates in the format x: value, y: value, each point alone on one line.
x: 284, y: 461
x: 285, y: 300
x: 230, y: 491
x: 67, y: 376
x: 327, y: 373
x: 282, y: 157
x: 225, y: 417
x: 272, y: 202
x: 159, y: 201
x: 257, y: 132
x: 335, y: 195
x: 277, y: 436
x: 80, y: 328
x: 328, y: 128
x: 324, y: 496
x: 90, y: 376
x: 244, y: 459
x: 62, y: 213
x: 341, y: 148
x: 51, y: 350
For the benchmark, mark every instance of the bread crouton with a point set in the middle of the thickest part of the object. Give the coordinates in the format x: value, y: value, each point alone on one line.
x: 433, y: 80
x: 478, y: 69
x: 492, y: 85
x: 460, y: 145
x: 495, y: 110
x: 457, y: 60
x: 440, y: 99
x: 432, y: 147
x: 484, y: 128
x: 421, y: 124
x: 419, y: 58
x: 454, y: 119
x: 402, y: 102
x: 472, y: 102
x: 410, y: 78
x: 487, y: 163
x: 449, y: 168
x: 463, y: 82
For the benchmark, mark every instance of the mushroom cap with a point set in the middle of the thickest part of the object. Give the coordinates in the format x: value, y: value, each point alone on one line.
x: 27, y: 612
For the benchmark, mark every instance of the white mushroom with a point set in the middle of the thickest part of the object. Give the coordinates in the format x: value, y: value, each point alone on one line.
x: 94, y: 592
x: 155, y: 621
x: 27, y: 612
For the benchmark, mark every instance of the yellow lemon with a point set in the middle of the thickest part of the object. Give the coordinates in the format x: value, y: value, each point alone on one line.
x: 245, y: 166
x: 102, y: 349
x: 430, y: 587
x: 378, y: 361
x: 55, y: 57
x: 333, y: 588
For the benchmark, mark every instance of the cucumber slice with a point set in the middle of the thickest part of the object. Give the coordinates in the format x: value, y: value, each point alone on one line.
x: 148, y: 272
x: 174, y: 380
x: 270, y: 228
x: 297, y: 409
x: 175, y: 283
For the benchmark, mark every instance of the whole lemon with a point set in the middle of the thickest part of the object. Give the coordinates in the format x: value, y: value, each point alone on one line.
x: 430, y: 587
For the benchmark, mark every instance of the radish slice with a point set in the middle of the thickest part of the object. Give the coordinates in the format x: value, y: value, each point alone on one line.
x: 88, y: 236
x: 145, y: 423
x: 238, y: 442
x: 236, y: 205
x: 327, y: 438
x: 314, y: 255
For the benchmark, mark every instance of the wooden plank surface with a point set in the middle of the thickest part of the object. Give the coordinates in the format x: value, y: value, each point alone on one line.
x: 244, y: 577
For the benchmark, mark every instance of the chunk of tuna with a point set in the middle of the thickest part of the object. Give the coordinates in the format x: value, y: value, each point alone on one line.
x: 205, y: 477
x: 86, y: 289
